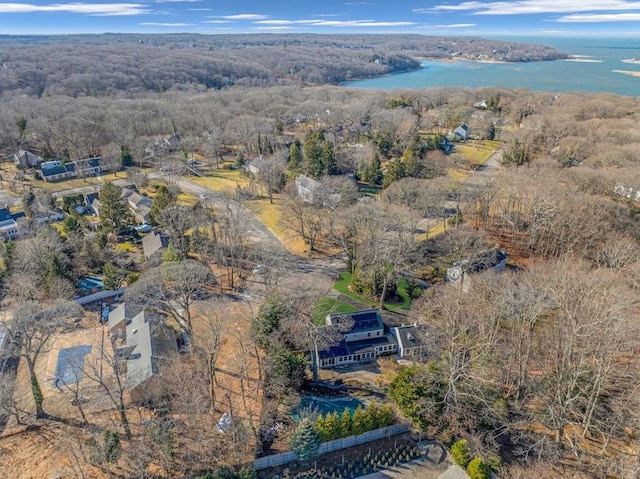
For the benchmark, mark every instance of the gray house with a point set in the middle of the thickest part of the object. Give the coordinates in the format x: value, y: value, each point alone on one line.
x: 144, y: 341
x: 461, y: 133
x: 410, y: 341
x: 26, y: 159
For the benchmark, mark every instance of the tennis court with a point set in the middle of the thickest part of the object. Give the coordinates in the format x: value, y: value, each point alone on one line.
x: 71, y: 364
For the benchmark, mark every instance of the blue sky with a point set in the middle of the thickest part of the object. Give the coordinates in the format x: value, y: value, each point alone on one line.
x: 446, y: 17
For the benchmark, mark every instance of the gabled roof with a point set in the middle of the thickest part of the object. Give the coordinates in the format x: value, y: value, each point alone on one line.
x: 137, y: 200
x: 154, y: 242
x: 123, y: 312
x: 151, y: 342
x: 308, y: 183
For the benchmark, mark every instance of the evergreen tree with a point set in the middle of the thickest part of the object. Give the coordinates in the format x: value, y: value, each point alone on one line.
x: 114, y: 210
x: 411, y: 163
x: 371, y: 416
x: 332, y: 424
x: 240, y: 160
x: 294, y: 162
x: 323, y: 432
x: 313, y: 154
x: 70, y: 224
x: 395, y: 171
x: 126, y: 159
x: 112, y: 277
x: 329, y: 163
x: 162, y: 200
x: 345, y: 423
x: 358, y: 421
x: 372, y: 173
x: 305, y: 441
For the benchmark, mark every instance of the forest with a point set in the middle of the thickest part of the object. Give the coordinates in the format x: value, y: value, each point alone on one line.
x: 535, y: 369
x: 98, y: 65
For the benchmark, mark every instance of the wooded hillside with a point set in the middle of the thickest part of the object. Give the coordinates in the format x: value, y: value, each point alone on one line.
x: 95, y: 65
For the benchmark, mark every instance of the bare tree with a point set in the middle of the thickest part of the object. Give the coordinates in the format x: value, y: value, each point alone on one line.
x: 171, y: 289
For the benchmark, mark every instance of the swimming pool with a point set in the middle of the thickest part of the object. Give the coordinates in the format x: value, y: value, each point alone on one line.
x: 90, y: 284
x: 325, y: 405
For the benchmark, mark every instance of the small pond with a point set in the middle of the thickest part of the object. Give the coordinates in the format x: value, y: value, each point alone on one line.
x: 325, y: 405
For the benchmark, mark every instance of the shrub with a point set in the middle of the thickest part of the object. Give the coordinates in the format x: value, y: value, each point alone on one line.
x: 111, y: 444
x: 478, y: 469
x: 460, y: 453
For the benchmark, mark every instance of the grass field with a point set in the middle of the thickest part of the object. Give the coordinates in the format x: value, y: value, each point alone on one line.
x: 222, y: 180
x: 270, y: 214
x: 342, y: 286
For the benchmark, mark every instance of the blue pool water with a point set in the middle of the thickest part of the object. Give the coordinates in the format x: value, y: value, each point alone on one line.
x: 325, y: 405
x: 88, y: 284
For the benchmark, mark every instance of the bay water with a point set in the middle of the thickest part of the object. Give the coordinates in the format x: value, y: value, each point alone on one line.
x: 593, y: 69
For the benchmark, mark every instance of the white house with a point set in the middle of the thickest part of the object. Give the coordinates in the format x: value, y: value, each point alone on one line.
x: 365, y: 341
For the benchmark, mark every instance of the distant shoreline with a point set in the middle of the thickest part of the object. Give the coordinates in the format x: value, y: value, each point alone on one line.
x: 628, y: 72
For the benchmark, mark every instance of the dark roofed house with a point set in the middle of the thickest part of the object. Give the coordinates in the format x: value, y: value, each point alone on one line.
x: 56, y: 170
x: 365, y: 341
x: 9, y: 228
x: 154, y: 242
x: 92, y: 203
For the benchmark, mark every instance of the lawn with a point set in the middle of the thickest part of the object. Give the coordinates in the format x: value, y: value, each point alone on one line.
x: 328, y: 305
x: 270, y: 214
x: 342, y: 286
x: 474, y: 154
x: 222, y: 180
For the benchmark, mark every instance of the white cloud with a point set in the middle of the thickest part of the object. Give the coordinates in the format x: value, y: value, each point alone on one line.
x: 533, y: 7
x: 611, y: 17
x: 244, y: 16
x: 159, y: 24
x: 457, y: 25
x: 276, y: 29
x: 281, y: 22
x: 217, y: 21
x: 335, y: 23
x: 100, y: 9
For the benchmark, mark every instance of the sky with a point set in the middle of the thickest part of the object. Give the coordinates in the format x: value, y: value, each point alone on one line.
x: 432, y: 17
